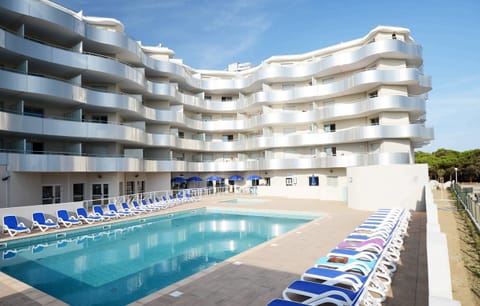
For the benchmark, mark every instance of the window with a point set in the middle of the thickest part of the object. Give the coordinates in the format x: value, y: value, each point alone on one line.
x: 77, y: 192
x: 226, y: 99
x: 35, y: 147
x: 313, y: 181
x: 181, y: 134
x: 208, y: 97
x: 329, y: 128
x: 227, y: 138
x: 331, y: 151
x: 140, y: 186
x: 288, y: 181
x: 332, y: 181
x: 100, y: 119
x: 373, y: 94
x: 179, y: 156
x: 33, y: 111
x: 288, y: 86
x: 51, y: 194
x: 99, y: 191
x: 267, y: 181
x: 130, y: 187
x: 208, y: 137
x: 375, y: 121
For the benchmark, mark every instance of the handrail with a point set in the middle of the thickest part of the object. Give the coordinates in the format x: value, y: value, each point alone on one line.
x: 471, y: 207
x: 129, y: 198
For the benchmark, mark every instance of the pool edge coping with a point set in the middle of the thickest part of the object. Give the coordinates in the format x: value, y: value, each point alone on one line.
x: 231, y: 260
x: 43, y: 298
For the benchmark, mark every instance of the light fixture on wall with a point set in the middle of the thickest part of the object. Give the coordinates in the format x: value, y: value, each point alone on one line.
x: 136, y: 175
x: 99, y: 176
x: 5, y: 178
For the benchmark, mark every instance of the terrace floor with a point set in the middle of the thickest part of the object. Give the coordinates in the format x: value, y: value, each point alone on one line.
x: 260, y: 274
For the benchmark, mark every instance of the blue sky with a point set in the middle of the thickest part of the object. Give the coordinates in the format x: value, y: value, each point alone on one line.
x: 210, y: 34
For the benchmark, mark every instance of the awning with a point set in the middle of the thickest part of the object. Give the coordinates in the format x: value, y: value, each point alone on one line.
x: 194, y: 179
x: 178, y: 179
x: 214, y: 178
x: 254, y: 177
x: 236, y: 178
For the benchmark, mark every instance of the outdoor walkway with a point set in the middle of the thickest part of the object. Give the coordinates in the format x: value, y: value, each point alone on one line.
x: 260, y: 274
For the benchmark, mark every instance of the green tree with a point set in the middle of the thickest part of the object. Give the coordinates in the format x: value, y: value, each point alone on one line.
x: 442, y: 163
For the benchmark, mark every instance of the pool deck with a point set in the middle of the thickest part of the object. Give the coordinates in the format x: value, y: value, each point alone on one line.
x: 260, y: 274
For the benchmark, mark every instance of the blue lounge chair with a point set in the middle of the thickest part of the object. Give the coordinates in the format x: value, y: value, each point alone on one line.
x: 279, y: 302
x: 42, y: 223
x: 345, y: 264
x: 317, y: 294
x: 13, y: 227
x: 141, y: 208
x: 121, y: 213
x: 64, y: 218
x: 334, y: 278
x: 98, y: 210
x: 148, y: 206
x: 84, y: 216
x: 190, y: 197
x: 134, y: 211
x: 366, y: 256
x: 169, y: 202
x: 157, y: 203
x: 177, y: 199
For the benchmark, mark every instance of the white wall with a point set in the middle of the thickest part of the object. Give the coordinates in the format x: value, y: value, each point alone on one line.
x: 24, y: 189
x: 301, y: 188
x: 394, y: 118
x: 157, y: 181
x: 439, y: 278
x: 373, y: 187
x: 385, y: 90
x: 400, y: 145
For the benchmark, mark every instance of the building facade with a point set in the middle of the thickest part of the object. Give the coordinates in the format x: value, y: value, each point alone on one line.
x: 87, y: 112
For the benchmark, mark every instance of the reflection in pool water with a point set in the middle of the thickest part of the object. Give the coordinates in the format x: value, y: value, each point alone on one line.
x: 126, y: 263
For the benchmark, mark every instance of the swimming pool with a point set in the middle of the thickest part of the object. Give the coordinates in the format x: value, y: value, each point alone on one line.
x: 123, y: 262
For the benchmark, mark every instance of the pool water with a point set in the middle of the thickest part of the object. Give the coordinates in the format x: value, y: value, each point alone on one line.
x: 123, y: 264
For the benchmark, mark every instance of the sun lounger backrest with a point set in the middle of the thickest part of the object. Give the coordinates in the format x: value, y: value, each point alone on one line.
x: 10, y: 221
x: 39, y: 217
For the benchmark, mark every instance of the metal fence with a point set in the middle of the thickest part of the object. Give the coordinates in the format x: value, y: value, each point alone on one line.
x: 469, y: 201
x: 194, y: 192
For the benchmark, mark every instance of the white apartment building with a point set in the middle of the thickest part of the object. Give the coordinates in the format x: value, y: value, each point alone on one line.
x: 88, y: 112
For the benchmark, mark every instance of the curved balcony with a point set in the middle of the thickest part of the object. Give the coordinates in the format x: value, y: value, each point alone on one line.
x: 88, y: 131
x: 76, y: 62
x: 74, y: 24
x: 18, y: 82
x: 72, y: 130
x: 357, y: 83
x: 336, y: 63
x: 19, y: 162
x: 69, y: 163
x: 365, y: 54
x: 113, y: 69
